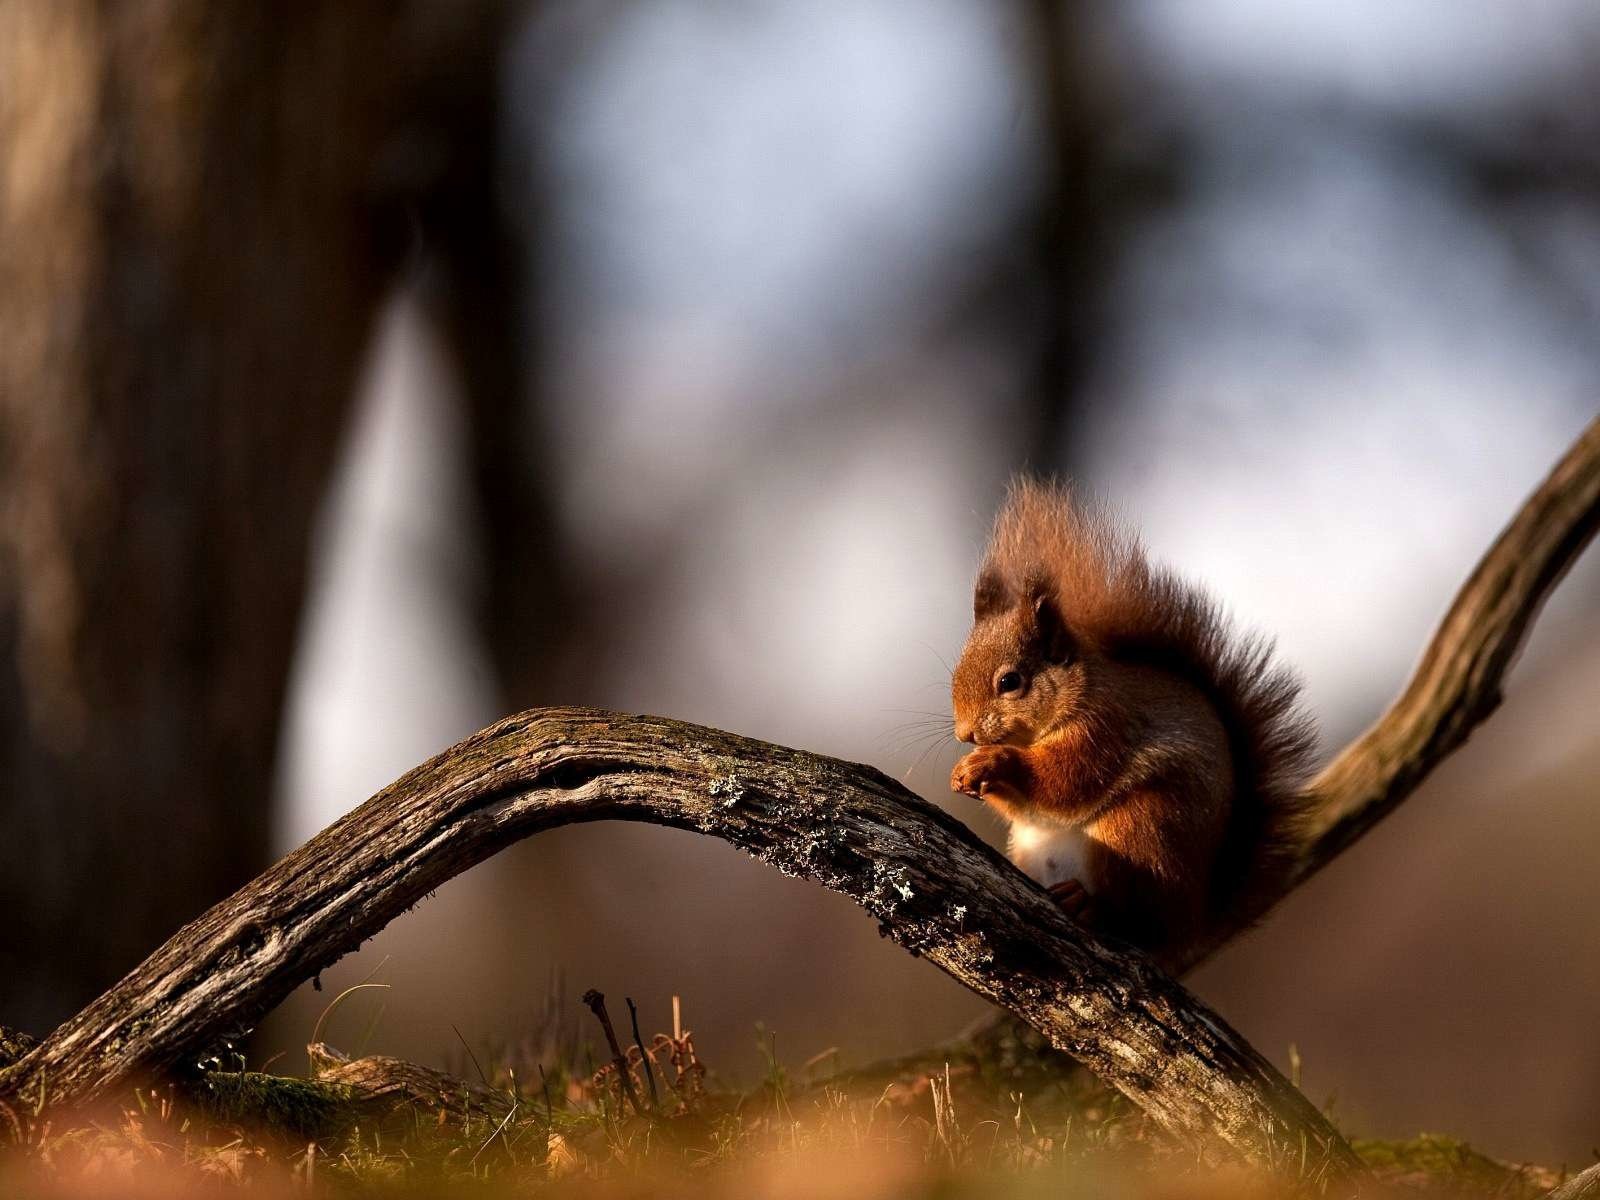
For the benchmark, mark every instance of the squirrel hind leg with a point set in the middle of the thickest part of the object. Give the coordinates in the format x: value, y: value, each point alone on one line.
x: 1075, y: 901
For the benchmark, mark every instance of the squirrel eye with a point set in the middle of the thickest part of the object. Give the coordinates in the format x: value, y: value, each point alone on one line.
x: 1009, y: 683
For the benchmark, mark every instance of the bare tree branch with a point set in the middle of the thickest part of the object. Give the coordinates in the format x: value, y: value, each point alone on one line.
x: 1583, y: 1186
x: 1457, y: 684
x: 936, y: 888
x: 383, y: 1082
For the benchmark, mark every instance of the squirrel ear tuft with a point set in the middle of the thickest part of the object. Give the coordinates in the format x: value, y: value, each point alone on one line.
x: 1049, y: 631
x: 989, y: 596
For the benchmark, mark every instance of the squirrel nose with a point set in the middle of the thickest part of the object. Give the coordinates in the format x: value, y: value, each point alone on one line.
x: 963, y: 731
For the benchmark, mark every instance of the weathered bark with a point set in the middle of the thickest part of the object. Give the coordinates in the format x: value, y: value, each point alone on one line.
x: 1583, y: 1186
x: 200, y: 207
x: 937, y: 889
x: 382, y: 1082
x: 368, y: 1093
x: 14, y: 1044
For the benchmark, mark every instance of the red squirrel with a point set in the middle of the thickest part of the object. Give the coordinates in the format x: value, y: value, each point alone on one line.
x: 1146, y: 756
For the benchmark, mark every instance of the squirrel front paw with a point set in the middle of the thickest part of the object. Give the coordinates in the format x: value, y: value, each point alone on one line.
x: 1000, y: 772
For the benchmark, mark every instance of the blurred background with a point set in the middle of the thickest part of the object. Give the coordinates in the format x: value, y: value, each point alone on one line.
x: 368, y: 371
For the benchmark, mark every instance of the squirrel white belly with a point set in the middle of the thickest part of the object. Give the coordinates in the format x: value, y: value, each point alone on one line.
x: 1050, y: 854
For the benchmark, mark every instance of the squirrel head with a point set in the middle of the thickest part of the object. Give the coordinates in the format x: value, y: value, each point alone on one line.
x: 1021, y: 670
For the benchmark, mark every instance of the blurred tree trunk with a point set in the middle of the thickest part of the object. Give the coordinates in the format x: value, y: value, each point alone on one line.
x: 1101, y: 178
x: 1068, y: 239
x: 201, y: 206
x: 483, y: 296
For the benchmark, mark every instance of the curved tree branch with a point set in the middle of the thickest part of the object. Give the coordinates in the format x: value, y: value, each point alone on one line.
x: 938, y: 890
x: 1457, y: 684
x: 1583, y: 1186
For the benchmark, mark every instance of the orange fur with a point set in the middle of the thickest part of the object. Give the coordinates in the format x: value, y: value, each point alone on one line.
x: 1175, y: 744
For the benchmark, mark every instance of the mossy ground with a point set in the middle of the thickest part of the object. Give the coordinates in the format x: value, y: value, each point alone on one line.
x: 997, y: 1115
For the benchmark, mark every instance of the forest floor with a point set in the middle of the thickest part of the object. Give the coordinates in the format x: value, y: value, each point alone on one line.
x: 995, y: 1115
